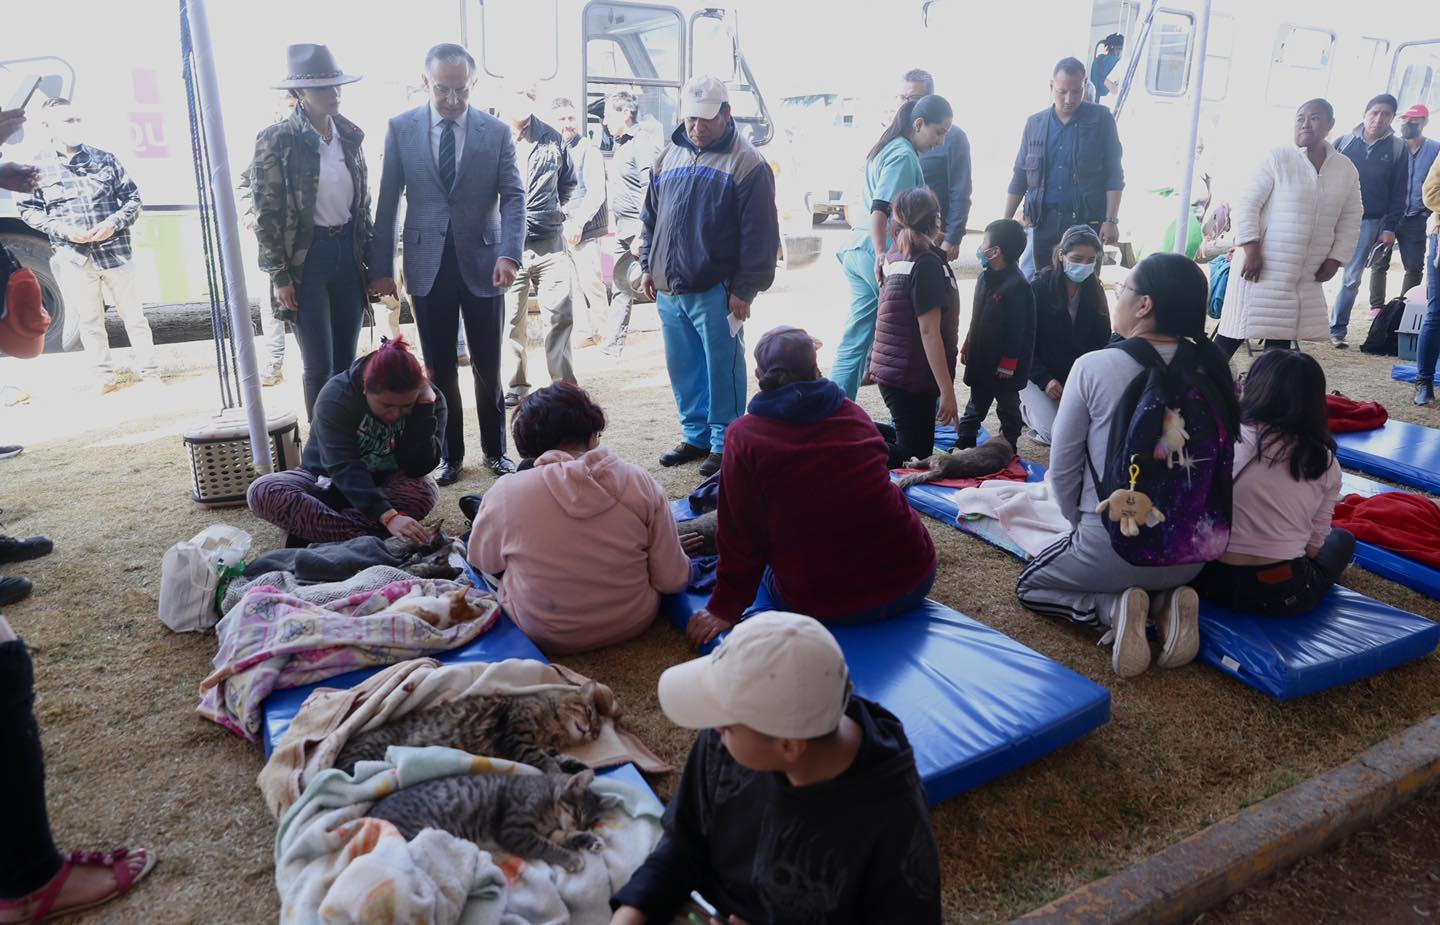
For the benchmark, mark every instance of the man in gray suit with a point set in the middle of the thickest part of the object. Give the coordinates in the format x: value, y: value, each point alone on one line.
x: 464, y: 230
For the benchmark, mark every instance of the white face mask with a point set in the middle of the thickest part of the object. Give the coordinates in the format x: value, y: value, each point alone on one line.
x: 70, y: 134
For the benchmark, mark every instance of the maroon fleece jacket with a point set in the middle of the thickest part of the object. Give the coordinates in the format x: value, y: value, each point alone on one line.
x: 814, y: 501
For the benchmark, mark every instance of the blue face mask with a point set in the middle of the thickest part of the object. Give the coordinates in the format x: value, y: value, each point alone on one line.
x: 984, y: 260
x: 1079, y: 272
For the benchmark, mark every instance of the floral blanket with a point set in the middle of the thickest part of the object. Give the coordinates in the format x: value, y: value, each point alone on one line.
x: 273, y: 640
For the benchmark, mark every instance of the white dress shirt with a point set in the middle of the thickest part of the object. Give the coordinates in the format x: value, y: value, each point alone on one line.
x: 337, y: 187
x: 437, y: 125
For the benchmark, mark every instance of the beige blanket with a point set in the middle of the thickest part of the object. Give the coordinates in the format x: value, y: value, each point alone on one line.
x: 329, y: 717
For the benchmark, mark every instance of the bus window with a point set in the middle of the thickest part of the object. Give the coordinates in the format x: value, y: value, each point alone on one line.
x: 1416, y: 76
x: 1167, y: 70
x: 502, y: 20
x: 636, y: 48
x: 715, y: 53
x: 1300, y: 65
x: 1218, y: 51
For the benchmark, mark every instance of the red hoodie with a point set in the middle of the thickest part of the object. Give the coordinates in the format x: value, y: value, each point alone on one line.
x: 804, y: 489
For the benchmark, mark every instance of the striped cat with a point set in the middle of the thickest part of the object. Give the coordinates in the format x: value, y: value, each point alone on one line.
x: 531, y: 728
x: 543, y: 817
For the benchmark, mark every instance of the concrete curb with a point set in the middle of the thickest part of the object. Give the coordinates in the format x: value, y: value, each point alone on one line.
x: 1189, y: 877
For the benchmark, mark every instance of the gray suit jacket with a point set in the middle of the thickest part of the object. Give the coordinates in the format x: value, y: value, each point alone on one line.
x: 484, y: 213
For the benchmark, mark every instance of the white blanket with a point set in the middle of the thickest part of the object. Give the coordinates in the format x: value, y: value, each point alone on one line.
x: 1026, y: 511
x: 333, y: 865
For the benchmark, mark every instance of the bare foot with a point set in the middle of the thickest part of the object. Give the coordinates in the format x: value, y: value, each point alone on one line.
x: 87, y: 884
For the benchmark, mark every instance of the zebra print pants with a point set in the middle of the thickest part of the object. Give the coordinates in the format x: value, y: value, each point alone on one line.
x: 294, y: 502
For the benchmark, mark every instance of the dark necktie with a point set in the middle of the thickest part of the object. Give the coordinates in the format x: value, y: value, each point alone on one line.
x: 447, y: 154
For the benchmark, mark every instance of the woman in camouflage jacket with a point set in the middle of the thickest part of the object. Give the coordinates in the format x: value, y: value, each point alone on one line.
x: 312, y: 217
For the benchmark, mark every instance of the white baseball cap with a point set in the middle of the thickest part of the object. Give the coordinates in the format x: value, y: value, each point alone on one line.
x: 781, y: 674
x: 701, y: 98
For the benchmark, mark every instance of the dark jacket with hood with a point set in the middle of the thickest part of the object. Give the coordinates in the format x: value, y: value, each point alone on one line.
x: 550, y: 181
x: 856, y: 849
x: 805, y: 489
x: 333, y: 448
x: 1002, y: 331
x: 1059, y: 342
x: 898, y: 358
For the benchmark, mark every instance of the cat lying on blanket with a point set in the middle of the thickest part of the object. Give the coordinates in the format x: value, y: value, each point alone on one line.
x: 530, y: 728
x: 449, y: 609
x: 987, y: 458
x: 432, y: 560
x: 545, y: 817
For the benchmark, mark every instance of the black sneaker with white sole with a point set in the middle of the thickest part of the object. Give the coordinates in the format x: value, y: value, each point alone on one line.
x: 12, y: 450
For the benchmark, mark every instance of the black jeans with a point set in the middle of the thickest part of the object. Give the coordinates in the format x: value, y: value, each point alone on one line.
x: 28, y: 858
x: 1048, y: 231
x: 1228, y: 345
x: 913, y: 436
x: 1007, y: 406
x: 438, y: 314
x: 1280, y: 589
x: 1410, y: 242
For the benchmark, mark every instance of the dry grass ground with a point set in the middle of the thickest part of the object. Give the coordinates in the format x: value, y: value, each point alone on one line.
x: 129, y: 762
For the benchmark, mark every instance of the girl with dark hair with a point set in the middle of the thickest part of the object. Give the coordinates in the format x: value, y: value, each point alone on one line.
x: 583, y: 542
x: 917, y: 330
x: 807, y: 507
x: 1001, y: 340
x: 1283, y: 556
x: 1081, y: 577
x: 374, y: 439
x: 1072, y: 317
x: 892, y: 167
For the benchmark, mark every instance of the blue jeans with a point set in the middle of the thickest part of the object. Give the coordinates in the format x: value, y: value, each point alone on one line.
x: 1429, y: 345
x: 852, y: 356
x: 706, y: 364
x: 902, y: 604
x: 332, y: 307
x: 1340, y: 311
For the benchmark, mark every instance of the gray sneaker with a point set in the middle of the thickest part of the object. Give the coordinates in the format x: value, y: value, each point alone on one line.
x: 1338, y: 343
x: 1177, y: 620
x: 1130, y: 650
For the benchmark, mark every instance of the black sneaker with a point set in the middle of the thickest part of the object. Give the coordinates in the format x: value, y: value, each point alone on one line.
x: 12, y: 450
x: 683, y: 453
x: 710, y: 466
x: 13, y: 550
x: 13, y: 590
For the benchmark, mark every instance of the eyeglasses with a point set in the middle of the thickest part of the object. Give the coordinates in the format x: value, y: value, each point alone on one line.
x: 444, y: 93
x: 1126, y: 287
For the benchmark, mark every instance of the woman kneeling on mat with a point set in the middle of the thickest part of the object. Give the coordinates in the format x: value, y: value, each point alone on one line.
x: 585, y: 541
x: 374, y: 440
x: 1082, y: 577
x: 807, y: 505
x: 1283, y: 556
x: 1071, y: 319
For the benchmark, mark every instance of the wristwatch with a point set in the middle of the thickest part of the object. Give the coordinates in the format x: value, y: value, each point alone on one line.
x: 1111, y: 220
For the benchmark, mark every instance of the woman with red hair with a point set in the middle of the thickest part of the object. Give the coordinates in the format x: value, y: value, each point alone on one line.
x: 374, y: 440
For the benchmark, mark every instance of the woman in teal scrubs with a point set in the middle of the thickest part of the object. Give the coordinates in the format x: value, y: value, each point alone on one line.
x: 892, y: 167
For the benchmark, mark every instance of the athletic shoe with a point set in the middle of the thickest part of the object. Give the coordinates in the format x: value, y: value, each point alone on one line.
x: 1338, y: 343
x: 1177, y: 621
x: 6, y: 452
x: 272, y: 377
x: 108, y: 386
x: 1130, y: 650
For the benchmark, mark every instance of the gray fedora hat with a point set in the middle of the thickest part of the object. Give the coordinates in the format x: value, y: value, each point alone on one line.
x: 312, y: 66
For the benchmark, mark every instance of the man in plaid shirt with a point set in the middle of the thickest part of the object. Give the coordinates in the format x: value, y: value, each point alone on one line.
x: 86, y: 203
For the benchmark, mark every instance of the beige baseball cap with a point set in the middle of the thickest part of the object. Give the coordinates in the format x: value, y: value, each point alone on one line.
x: 781, y: 674
x: 701, y: 98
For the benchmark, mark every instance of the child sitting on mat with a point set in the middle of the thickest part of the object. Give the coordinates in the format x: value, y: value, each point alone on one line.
x: 998, y: 349
x: 1283, y: 556
x: 799, y: 802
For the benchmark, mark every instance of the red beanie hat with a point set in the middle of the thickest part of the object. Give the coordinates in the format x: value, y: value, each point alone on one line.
x: 22, y: 330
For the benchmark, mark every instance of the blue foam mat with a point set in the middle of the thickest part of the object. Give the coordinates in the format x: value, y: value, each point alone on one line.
x: 1404, y: 453
x: 976, y: 704
x: 1403, y: 372
x: 1423, y: 578
x: 1348, y: 637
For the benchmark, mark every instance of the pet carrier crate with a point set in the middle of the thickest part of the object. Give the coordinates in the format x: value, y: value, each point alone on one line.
x: 220, y: 458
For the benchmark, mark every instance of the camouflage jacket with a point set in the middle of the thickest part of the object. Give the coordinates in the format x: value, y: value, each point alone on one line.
x: 283, y: 180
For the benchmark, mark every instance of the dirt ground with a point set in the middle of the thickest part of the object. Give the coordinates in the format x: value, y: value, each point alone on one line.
x: 130, y: 763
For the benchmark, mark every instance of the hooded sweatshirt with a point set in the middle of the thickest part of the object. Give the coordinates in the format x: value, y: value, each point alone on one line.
x: 856, y: 849
x: 805, y: 489
x: 587, y: 545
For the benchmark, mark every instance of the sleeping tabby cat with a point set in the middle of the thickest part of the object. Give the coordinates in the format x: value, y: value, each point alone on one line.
x: 545, y: 817
x: 530, y: 728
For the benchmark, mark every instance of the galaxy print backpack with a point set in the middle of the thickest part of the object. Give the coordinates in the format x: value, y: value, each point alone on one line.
x: 1165, y: 493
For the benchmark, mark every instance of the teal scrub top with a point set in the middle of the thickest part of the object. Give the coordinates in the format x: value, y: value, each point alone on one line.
x: 891, y: 172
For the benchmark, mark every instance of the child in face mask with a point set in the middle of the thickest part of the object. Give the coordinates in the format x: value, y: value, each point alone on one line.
x: 1071, y: 318
x: 998, y: 349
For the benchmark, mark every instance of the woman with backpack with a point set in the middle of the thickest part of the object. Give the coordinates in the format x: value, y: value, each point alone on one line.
x: 1072, y: 318
x: 1283, y: 555
x: 892, y: 167
x: 917, y: 332
x: 1140, y: 466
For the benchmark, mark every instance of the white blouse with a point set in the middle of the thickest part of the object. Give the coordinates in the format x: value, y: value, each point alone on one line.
x: 337, y: 188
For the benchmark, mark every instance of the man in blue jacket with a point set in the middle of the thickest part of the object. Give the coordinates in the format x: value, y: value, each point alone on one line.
x: 1379, y: 155
x: 711, y: 238
x: 946, y: 167
x: 1068, y: 170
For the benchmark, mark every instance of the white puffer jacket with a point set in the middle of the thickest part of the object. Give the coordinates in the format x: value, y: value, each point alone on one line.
x: 1301, y: 218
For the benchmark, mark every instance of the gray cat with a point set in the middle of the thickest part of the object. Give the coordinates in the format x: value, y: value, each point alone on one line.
x: 989, y: 457
x: 530, y: 728
x: 544, y: 817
